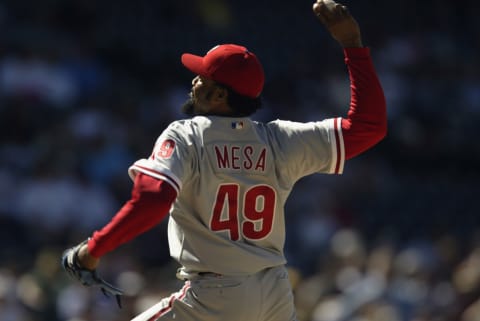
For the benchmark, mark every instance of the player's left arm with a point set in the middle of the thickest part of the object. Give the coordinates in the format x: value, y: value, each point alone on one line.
x: 366, y: 122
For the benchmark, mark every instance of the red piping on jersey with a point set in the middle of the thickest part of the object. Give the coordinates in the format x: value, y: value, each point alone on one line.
x: 150, y: 203
x: 173, y: 297
x: 366, y: 123
x: 158, y: 173
x: 337, y: 146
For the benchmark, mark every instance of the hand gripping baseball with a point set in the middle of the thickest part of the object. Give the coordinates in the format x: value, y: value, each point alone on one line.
x: 339, y: 22
x: 85, y: 276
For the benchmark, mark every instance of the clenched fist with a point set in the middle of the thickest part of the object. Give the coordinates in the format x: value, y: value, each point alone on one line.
x: 339, y: 22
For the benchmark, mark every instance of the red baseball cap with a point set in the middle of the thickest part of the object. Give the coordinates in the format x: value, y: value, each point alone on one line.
x: 230, y: 65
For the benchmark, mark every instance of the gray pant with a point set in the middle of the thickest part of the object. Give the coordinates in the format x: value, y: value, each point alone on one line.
x: 264, y: 296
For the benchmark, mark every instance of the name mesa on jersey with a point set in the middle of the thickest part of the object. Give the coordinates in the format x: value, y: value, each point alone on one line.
x: 240, y: 157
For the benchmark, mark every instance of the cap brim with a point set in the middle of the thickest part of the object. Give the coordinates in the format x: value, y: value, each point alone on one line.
x: 193, y: 63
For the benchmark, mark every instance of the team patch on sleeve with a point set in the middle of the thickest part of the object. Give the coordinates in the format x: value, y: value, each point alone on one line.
x: 166, y: 149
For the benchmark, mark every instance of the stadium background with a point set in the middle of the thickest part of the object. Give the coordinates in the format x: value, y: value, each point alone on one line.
x: 86, y: 87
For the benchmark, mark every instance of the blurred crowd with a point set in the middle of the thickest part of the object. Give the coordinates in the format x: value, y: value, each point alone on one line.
x: 86, y: 87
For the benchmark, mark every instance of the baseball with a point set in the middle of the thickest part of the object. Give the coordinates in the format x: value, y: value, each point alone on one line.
x: 330, y: 4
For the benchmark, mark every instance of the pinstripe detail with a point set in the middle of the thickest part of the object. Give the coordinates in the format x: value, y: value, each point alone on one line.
x: 339, y: 146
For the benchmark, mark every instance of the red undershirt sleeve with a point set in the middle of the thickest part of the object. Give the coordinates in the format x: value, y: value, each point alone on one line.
x: 150, y: 203
x: 366, y: 123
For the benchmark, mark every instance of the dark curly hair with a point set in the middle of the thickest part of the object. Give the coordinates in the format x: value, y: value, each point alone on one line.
x: 242, y: 106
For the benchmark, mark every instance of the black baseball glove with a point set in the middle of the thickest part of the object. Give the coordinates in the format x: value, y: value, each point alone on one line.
x: 85, y: 276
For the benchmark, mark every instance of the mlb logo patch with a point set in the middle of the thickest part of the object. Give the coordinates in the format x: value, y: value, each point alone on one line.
x: 237, y: 125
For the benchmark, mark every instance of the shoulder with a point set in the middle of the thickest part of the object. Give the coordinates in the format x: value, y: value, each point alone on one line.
x: 286, y: 129
x: 188, y: 125
x: 186, y: 132
x: 291, y: 126
x: 180, y: 128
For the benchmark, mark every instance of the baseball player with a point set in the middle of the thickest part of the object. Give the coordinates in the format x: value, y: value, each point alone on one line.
x: 224, y: 180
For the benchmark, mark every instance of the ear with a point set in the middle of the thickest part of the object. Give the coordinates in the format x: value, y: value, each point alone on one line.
x: 220, y: 95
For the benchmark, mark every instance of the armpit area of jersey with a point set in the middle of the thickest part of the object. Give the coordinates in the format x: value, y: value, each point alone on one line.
x: 150, y: 168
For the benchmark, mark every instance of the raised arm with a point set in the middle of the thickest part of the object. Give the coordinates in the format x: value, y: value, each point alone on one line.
x: 366, y: 121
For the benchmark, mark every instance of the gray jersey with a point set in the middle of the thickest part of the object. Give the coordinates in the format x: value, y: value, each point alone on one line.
x: 233, y: 177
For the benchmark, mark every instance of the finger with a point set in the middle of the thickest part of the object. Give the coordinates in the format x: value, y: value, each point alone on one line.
x: 110, y: 288
x: 341, y: 10
x: 119, y: 300
x: 322, y: 12
x: 329, y: 11
x: 117, y: 293
x: 335, y: 12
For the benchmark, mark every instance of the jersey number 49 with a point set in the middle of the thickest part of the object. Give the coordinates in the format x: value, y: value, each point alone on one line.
x: 258, y: 211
